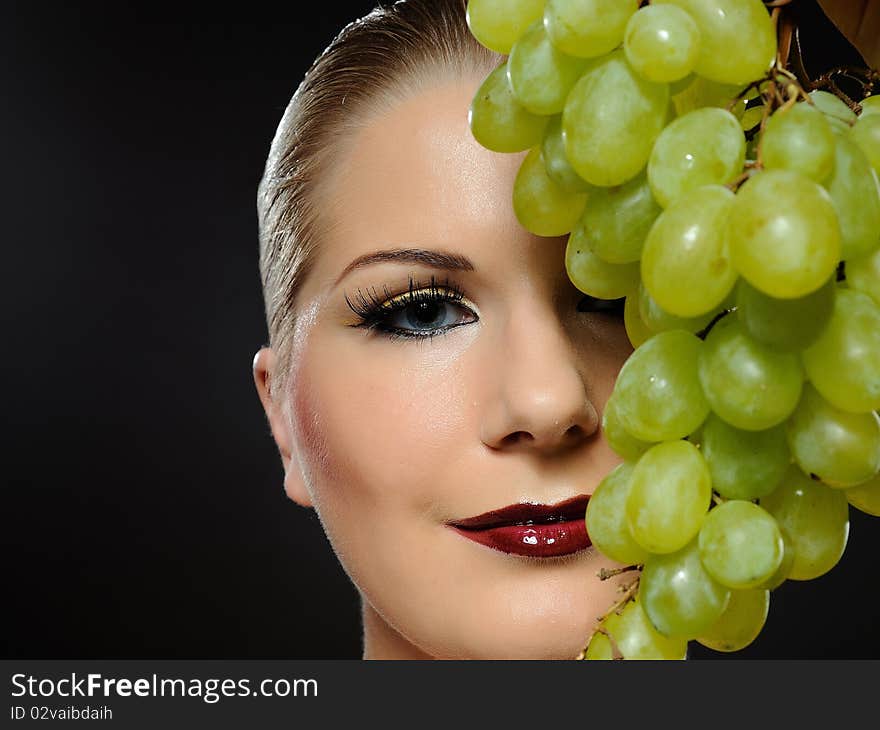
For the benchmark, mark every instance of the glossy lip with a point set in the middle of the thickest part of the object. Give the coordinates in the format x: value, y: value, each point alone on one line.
x: 531, y: 530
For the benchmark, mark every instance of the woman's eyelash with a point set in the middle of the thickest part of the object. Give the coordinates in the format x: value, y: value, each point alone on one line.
x: 375, y: 311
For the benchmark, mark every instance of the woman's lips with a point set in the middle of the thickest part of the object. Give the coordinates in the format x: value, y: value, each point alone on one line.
x: 533, y: 530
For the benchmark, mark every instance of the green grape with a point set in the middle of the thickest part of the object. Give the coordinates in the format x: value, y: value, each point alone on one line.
x: 606, y: 521
x: 678, y: 87
x: 702, y: 93
x: 844, y: 363
x: 662, y: 43
x: 498, y: 23
x: 746, y: 383
x: 657, y: 319
x: 785, y: 324
x: 784, y: 234
x: 865, y: 497
x: 670, y: 492
x: 540, y: 75
x: 751, y: 119
x: 784, y: 569
x: 855, y: 193
x: 740, y: 623
x: 816, y: 519
x: 866, y: 134
x: 744, y: 464
x: 738, y: 38
x: 801, y: 140
x: 498, y: 122
x: 634, y: 638
x: 587, y: 28
x: 596, y: 277
x: 685, y: 264
x: 658, y: 391
x: 618, y: 438
x: 541, y: 206
x: 871, y: 105
x: 842, y: 449
x: 863, y: 274
x: 618, y: 219
x: 636, y: 329
x: 836, y: 112
x: 610, y: 121
x: 679, y: 596
x: 703, y: 147
x: 740, y: 544
x: 559, y: 169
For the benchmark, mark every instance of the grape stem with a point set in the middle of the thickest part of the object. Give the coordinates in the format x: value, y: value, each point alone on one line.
x: 605, y: 574
x: 629, y: 592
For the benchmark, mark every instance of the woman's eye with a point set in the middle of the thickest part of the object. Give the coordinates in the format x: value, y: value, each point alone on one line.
x: 613, y: 307
x: 427, y: 315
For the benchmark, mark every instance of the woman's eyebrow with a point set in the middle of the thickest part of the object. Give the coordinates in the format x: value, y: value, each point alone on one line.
x: 425, y: 257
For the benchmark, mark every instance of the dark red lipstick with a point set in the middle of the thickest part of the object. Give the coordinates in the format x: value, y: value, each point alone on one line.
x: 533, y: 530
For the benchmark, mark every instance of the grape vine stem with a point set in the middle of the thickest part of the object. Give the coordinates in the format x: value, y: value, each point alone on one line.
x: 629, y: 592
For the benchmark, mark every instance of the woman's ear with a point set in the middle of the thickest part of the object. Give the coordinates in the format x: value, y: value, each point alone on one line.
x: 271, y: 398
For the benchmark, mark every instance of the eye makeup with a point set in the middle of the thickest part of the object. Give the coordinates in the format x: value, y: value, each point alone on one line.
x: 424, y: 303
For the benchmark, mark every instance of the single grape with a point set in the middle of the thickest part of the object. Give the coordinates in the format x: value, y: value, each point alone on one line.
x: 740, y: 623
x: 738, y: 38
x: 751, y: 119
x: 865, y: 497
x: 685, y: 263
x: 816, y: 519
x: 610, y: 121
x: 498, y: 23
x: 842, y: 449
x: 870, y: 105
x: 784, y: 234
x: 702, y: 93
x: 559, y: 169
x: 596, y: 277
x: 670, y: 493
x: 746, y: 383
x: 855, y: 193
x: 785, y: 324
x: 744, y: 464
x: 587, y: 28
x: 740, y: 544
x: 633, y: 637
x: 679, y: 596
x: 618, y: 218
x: 799, y: 139
x: 658, y: 389
x: 636, y: 329
x: 606, y: 518
x: 836, y: 112
x: 844, y: 363
x: 703, y: 147
x: 618, y: 438
x: 540, y: 75
x: 866, y: 134
x: 863, y: 274
x: 541, y: 206
x: 498, y: 122
x: 662, y: 43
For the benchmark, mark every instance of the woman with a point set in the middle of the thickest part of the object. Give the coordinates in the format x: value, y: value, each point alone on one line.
x: 434, y: 383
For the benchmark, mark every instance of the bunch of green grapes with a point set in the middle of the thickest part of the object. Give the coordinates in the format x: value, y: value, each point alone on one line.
x: 740, y: 218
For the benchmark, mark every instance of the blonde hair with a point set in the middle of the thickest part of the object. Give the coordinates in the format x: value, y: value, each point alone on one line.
x: 371, y: 61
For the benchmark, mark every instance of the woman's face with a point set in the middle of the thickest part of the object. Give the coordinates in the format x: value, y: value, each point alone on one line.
x: 391, y: 439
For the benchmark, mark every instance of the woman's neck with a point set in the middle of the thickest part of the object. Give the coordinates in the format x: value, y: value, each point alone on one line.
x: 381, y: 641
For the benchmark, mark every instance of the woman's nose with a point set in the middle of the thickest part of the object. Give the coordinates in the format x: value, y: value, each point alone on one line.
x: 539, y: 398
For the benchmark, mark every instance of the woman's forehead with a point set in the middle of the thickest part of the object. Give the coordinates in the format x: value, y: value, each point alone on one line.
x: 413, y: 174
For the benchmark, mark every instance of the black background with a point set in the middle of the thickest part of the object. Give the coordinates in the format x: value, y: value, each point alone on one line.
x: 144, y: 514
